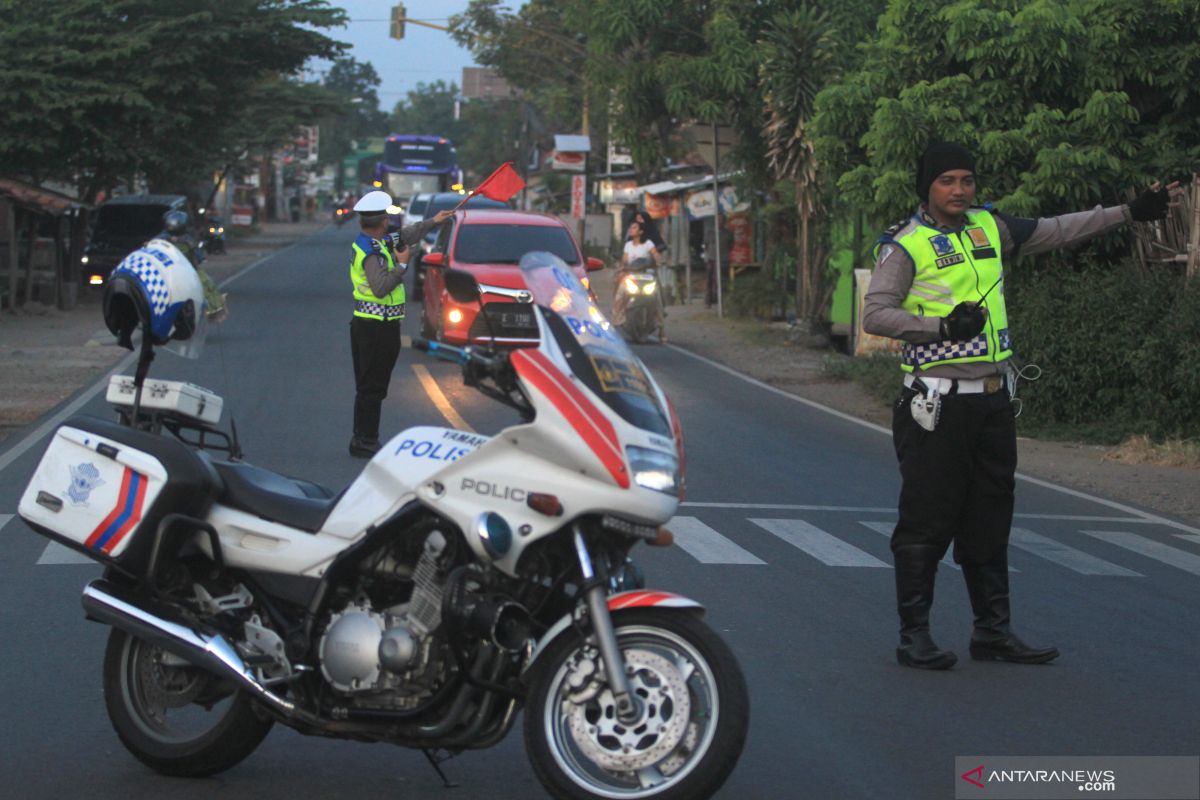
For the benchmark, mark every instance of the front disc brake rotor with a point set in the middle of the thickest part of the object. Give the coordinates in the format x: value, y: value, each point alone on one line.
x: 665, y: 707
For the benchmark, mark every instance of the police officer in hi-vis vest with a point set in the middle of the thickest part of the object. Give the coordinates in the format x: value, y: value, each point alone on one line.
x: 377, y: 275
x: 938, y: 287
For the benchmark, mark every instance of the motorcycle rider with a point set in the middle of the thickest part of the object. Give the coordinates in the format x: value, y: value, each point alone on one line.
x: 175, y: 231
x: 377, y: 272
x: 637, y: 249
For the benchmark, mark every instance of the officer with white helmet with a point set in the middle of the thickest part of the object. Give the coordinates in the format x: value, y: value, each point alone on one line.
x: 377, y: 276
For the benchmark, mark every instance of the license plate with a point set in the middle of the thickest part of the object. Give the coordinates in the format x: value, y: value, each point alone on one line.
x: 516, y: 319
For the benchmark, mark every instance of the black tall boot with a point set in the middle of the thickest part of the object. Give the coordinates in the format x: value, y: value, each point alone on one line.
x: 993, y: 639
x: 916, y: 566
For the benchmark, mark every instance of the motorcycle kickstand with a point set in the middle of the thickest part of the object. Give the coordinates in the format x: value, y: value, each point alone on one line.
x: 435, y: 761
x: 606, y: 638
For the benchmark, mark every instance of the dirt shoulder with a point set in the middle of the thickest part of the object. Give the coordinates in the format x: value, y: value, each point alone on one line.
x: 46, y: 355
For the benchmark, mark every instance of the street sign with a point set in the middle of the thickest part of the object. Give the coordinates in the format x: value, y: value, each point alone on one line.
x: 578, y: 195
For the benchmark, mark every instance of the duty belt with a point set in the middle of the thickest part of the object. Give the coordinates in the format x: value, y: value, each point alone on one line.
x: 379, y: 309
x: 945, y: 386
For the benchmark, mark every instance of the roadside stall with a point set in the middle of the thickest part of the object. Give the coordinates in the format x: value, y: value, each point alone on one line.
x: 42, y: 234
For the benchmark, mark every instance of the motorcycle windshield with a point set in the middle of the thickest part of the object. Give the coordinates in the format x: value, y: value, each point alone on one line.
x: 595, y: 350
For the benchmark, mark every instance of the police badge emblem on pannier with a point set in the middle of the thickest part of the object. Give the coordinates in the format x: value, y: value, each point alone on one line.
x: 926, y: 409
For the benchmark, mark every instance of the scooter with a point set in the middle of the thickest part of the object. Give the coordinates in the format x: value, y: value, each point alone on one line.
x: 214, y: 237
x: 459, y: 579
x: 637, y: 288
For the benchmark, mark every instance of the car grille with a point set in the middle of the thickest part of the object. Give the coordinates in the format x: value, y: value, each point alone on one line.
x: 509, y: 321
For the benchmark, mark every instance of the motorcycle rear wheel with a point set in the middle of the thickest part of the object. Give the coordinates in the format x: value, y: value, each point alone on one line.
x: 178, y: 720
x: 695, y: 715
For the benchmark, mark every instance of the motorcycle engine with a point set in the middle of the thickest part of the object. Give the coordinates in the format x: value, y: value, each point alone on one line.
x: 369, y: 651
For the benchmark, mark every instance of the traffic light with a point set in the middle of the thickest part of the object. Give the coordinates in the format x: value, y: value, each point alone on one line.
x: 398, y: 17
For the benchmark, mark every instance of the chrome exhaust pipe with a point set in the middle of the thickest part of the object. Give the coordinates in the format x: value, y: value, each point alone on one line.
x: 112, y: 605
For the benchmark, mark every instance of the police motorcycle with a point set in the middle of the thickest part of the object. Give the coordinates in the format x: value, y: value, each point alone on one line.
x: 637, y: 287
x: 458, y: 580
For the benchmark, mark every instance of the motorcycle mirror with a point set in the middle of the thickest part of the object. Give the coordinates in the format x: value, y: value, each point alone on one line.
x: 461, y: 286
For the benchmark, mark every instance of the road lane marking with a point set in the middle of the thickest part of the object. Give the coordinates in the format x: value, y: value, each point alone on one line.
x: 1180, y: 559
x: 1148, y: 517
x: 707, y: 545
x: 56, y: 554
x: 443, y: 405
x: 1069, y: 557
x: 886, y: 529
x: 1187, y: 537
x: 4, y: 518
x: 892, y: 510
x: 824, y: 547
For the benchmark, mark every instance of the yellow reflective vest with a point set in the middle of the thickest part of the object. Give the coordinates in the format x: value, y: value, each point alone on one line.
x: 366, y: 303
x: 951, y: 268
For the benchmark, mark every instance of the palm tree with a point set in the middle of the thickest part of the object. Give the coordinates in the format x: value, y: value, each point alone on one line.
x: 798, y: 49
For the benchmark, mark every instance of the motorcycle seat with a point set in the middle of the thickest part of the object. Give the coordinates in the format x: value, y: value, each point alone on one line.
x: 278, y: 498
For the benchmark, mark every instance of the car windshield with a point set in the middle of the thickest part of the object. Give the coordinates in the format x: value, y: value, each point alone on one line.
x: 403, y: 184
x: 131, y: 220
x: 596, y: 352
x: 440, y: 202
x: 417, y: 205
x: 505, y: 244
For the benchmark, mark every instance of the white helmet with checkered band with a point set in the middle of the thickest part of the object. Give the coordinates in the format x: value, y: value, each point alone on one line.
x: 157, y: 288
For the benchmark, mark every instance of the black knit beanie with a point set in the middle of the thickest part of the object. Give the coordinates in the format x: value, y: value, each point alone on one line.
x: 940, y: 157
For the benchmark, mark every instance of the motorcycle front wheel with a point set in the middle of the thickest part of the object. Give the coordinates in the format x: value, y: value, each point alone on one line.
x: 175, y: 718
x: 693, y: 713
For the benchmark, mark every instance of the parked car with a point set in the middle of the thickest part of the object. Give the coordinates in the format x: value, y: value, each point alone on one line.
x: 489, y: 244
x: 121, y: 226
x: 435, y: 203
x: 414, y: 208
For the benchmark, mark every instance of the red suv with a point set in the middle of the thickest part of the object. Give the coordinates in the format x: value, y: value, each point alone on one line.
x: 489, y: 243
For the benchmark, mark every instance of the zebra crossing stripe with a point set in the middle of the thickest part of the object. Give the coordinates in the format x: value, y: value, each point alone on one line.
x: 56, y: 553
x: 4, y: 518
x: 1180, y: 559
x: 706, y: 545
x: 1187, y: 537
x: 822, y: 546
x: 886, y: 528
x: 1069, y: 557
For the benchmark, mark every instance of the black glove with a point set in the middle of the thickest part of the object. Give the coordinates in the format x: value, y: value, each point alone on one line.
x: 1149, y: 205
x: 963, y: 323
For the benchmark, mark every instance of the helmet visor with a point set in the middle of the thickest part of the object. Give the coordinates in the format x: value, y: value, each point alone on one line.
x: 189, y: 319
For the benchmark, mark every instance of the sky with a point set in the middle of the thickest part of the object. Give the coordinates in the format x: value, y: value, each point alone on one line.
x: 424, y: 55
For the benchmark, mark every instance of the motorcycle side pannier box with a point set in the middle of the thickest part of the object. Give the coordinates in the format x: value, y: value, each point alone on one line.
x: 102, y: 489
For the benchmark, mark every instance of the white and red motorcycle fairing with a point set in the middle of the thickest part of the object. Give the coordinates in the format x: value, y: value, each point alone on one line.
x: 457, y: 579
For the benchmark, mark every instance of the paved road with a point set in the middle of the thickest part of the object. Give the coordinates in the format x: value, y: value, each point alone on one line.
x: 782, y: 537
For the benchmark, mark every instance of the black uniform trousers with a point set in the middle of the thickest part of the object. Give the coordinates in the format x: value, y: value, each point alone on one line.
x: 958, y: 479
x: 374, y: 346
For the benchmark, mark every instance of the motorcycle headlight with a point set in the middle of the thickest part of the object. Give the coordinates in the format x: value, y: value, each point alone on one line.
x: 631, y: 286
x: 650, y: 287
x: 654, y: 469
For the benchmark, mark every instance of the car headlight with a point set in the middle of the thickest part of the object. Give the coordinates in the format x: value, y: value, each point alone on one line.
x: 631, y: 286
x: 83, y: 260
x: 654, y: 469
x: 650, y: 287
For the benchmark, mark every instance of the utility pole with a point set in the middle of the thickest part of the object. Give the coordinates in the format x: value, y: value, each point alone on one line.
x: 717, y: 214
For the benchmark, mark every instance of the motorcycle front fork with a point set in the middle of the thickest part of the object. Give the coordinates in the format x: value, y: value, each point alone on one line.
x: 606, y: 637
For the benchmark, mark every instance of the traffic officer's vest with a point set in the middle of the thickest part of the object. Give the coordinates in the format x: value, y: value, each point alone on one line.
x: 366, y: 304
x: 951, y: 268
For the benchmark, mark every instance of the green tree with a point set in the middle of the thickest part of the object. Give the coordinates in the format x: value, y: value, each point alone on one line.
x: 1064, y: 103
x: 357, y: 117
x: 97, y: 92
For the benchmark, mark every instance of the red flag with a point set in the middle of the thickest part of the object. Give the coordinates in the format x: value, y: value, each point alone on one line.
x: 502, y: 184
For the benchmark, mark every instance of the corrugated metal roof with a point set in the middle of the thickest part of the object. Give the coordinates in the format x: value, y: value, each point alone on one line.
x: 37, y: 198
